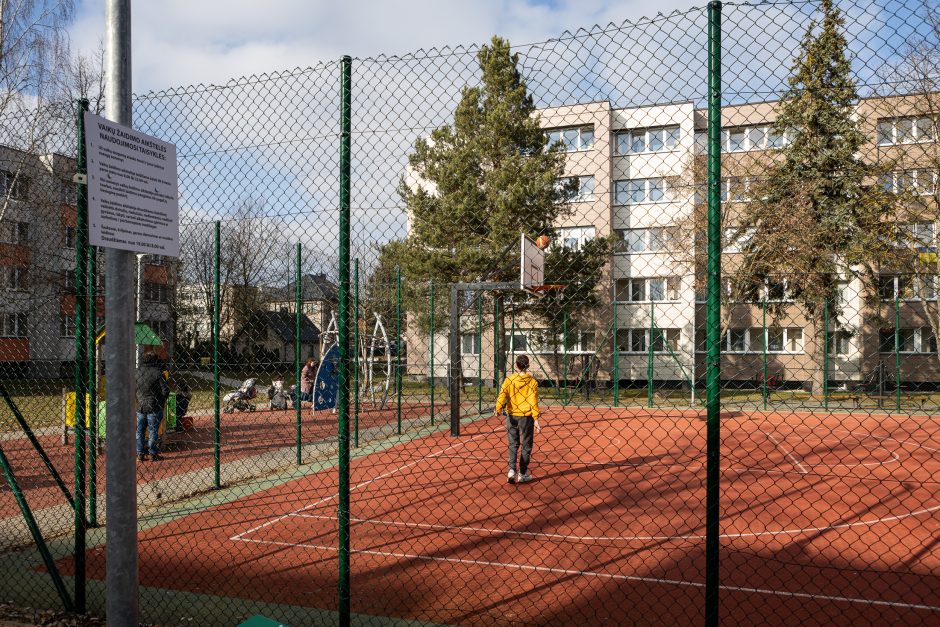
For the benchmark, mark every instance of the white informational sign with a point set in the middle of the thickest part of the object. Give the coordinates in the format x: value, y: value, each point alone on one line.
x: 133, y: 194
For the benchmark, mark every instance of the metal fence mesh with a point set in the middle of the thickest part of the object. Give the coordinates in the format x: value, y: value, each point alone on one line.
x: 598, y: 142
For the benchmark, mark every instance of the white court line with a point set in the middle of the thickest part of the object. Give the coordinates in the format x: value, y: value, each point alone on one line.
x: 355, y: 487
x: 614, y: 576
x: 793, y: 458
x: 573, y: 538
x: 913, y: 443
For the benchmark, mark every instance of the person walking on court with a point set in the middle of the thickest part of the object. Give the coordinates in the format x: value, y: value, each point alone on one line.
x: 152, y: 392
x: 519, y: 396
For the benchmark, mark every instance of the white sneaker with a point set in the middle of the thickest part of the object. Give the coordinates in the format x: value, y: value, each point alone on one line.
x: 511, y: 476
x: 524, y: 478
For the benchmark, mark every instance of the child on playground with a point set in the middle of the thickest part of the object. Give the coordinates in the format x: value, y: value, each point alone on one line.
x: 519, y: 396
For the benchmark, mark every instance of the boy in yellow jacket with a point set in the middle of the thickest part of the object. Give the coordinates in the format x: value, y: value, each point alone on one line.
x: 520, y: 397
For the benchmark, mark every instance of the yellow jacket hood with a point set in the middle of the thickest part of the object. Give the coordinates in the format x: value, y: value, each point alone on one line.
x: 519, y: 395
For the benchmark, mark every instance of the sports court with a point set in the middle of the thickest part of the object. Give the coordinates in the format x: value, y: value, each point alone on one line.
x: 823, y: 518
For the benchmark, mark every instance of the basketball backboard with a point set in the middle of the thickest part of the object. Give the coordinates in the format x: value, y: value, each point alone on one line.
x: 533, y: 264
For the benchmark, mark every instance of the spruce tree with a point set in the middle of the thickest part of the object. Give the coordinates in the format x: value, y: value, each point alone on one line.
x: 479, y: 183
x: 817, y: 212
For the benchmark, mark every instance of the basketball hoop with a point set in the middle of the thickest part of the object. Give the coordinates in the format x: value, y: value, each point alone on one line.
x: 541, y: 290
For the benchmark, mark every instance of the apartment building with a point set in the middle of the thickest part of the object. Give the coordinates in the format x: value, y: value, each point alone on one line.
x: 638, y: 172
x: 37, y: 268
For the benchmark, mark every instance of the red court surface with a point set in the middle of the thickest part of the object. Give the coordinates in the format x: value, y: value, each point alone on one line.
x: 244, y: 434
x: 824, y: 520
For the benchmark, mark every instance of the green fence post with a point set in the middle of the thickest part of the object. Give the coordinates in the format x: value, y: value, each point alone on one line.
x: 356, y: 363
x: 37, y: 534
x: 826, y: 354
x: 216, y: 306
x: 431, y: 366
x: 713, y: 320
x: 342, y: 400
x: 298, y: 289
x: 897, y: 353
x: 398, y: 345
x: 81, y: 359
x: 479, y: 348
x: 764, y: 351
x: 616, y: 357
x: 649, y: 356
x: 92, y: 388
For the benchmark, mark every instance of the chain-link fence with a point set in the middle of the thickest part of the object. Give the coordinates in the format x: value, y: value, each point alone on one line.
x: 627, y: 498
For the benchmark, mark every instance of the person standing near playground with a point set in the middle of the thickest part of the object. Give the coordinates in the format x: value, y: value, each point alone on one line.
x: 152, y: 392
x: 308, y: 377
x: 519, y: 396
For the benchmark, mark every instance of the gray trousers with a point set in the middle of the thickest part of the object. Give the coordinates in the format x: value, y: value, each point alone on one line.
x: 519, y: 428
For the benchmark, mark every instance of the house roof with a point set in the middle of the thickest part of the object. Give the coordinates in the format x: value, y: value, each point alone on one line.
x: 282, y: 323
x: 312, y: 287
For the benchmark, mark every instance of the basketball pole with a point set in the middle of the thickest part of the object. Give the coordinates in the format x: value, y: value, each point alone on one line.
x: 455, y: 368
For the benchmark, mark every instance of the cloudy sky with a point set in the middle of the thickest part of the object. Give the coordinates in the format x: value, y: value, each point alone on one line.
x: 182, y: 42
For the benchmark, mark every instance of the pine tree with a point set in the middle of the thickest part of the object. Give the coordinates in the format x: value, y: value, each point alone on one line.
x: 817, y: 212
x: 483, y: 181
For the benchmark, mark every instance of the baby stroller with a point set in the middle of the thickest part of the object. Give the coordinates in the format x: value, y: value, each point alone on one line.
x: 238, y: 400
x: 277, y: 396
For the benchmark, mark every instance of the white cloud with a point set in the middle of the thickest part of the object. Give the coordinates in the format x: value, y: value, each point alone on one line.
x: 183, y: 42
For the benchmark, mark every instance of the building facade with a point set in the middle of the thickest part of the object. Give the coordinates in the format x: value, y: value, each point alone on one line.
x: 37, y: 269
x: 640, y: 176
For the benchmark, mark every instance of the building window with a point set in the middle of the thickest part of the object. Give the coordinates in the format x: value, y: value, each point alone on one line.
x: 736, y: 239
x: 573, y: 238
x: 921, y: 340
x: 746, y: 138
x: 156, y: 292
x: 919, y: 236
x: 469, y: 344
x: 927, y: 341
x: 736, y: 189
x: 638, y: 340
x: 840, y: 343
x: 13, y: 186
x: 13, y: 325
x: 517, y: 342
x: 66, y: 326
x: 906, y: 130
x: 913, y: 181
x: 891, y: 287
x: 753, y: 137
x: 573, y: 139
x: 14, y: 232
x: 649, y: 240
x: 657, y: 289
x: 784, y: 340
x: 843, y: 294
x: 777, y: 290
x: 644, y: 140
x: 735, y: 340
x: 14, y: 278
x: 581, y: 188
x: 639, y: 191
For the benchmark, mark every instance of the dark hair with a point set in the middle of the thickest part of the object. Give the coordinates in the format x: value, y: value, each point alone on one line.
x: 522, y: 362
